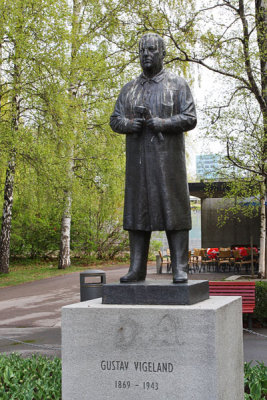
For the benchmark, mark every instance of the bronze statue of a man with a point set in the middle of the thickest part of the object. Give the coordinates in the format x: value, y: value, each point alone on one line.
x: 154, y: 110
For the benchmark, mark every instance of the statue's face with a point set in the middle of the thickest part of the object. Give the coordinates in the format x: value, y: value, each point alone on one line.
x: 151, y: 55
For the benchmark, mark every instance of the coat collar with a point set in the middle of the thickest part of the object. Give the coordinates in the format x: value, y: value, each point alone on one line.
x: 157, y: 78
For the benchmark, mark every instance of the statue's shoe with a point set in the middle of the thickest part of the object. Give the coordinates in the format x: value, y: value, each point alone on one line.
x: 180, y: 276
x: 132, y: 276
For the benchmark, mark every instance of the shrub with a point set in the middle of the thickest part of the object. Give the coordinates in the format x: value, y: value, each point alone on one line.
x: 255, y: 381
x: 260, y: 311
x: 39, y: 378
x: 31, y: 378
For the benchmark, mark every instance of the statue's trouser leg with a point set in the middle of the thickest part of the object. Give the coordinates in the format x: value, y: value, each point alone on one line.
x: 139, y: 245
x: 178, y: 243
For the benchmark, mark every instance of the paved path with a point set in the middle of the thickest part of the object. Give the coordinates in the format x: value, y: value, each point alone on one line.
x: 31, y: 312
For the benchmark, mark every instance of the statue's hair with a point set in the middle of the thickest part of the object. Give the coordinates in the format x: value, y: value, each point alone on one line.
x: 155, y: 35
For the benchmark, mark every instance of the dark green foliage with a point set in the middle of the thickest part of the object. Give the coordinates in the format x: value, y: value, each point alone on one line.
x: 35, y: 378
x: 260, y: 311
x: 35, y: 234
x: 255, y: 381
x: 39, y: 378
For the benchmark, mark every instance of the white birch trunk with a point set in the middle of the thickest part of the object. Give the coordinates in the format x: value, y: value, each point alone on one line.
x: 64, y: 253
x: 7, y: 215
x: 9, y: 185
x: 262, y: 260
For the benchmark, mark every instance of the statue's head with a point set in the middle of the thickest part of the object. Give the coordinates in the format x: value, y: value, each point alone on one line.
x: 151, y: 52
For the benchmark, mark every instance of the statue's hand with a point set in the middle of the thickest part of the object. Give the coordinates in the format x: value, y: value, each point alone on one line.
x: 135, y: 125
x: 156, y: 124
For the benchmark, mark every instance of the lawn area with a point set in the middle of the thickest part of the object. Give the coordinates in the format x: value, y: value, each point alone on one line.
x: 26, y: 270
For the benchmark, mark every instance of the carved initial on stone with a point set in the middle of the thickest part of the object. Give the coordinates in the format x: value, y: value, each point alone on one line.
x: 167, y: 331
x: 127, y: 333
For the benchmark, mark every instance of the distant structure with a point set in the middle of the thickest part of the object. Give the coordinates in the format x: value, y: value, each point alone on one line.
x: 207, y: 166
x: 237, y: 231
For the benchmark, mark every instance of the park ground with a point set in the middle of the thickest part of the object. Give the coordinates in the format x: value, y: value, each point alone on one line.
x: 31, y: 313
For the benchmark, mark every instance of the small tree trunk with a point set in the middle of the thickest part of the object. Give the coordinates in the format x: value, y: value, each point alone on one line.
x: 64, y: 254
x: 7, y: 215
x: 262, y: 261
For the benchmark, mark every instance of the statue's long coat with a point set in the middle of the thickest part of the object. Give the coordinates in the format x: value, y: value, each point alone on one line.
x: 156, y: 188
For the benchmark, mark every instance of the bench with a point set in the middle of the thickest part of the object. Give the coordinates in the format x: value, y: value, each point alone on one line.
x: 244, y: 289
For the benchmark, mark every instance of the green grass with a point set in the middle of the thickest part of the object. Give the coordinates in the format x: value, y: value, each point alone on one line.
x: 22, y: 271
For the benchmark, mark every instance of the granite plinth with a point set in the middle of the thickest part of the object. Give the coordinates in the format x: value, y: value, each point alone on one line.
x: 118, y: 352
x: 156, y: 292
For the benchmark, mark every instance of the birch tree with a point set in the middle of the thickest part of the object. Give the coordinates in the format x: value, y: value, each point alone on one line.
x: 10, y: 172
x: 64, y: 253
x: 66, y: 77
x: 10, y: 105
x: 89, y: 78
x: 24, y: 35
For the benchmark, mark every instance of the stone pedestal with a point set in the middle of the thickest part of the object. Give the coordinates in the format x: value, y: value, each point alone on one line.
x: 155, y: 292
x: 145, y: 352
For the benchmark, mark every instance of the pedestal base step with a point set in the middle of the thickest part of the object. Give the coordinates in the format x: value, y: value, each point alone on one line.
x: 156, y: 293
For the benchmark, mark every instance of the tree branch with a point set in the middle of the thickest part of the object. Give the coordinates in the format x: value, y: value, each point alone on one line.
x: 248, y: 67
x: 238, y: 164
